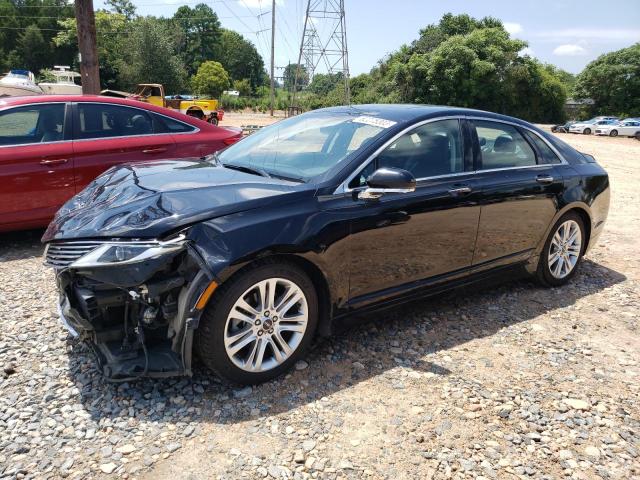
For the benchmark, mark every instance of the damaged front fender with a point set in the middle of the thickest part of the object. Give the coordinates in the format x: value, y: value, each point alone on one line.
x: 139, y: 318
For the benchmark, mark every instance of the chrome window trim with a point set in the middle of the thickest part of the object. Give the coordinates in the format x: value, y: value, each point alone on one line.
x: 196, y: 129
x: 563, y: 161
x: 344, y: 186
x: 10, y: 107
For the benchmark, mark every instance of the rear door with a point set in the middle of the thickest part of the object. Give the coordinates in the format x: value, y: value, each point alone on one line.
x: 519, y: 184
x: 107, y: 134
x: 36, y: 163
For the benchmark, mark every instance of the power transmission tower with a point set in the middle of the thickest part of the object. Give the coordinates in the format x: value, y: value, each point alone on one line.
x: 324, y: 43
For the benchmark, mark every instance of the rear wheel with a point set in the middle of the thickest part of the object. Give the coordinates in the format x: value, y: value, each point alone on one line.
x: 213, y: 120
x: 562, y: 251
x: 587, y: 131
x: 259, y: 324
x: 613, y: 133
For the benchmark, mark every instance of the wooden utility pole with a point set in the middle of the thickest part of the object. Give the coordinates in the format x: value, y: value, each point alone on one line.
x: 86, y: 26
x: 273, y: 40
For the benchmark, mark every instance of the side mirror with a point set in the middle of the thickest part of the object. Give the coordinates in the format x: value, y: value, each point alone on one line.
x: 388, y: 180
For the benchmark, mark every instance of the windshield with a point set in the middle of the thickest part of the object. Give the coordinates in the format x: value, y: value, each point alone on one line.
x: 305, y: 146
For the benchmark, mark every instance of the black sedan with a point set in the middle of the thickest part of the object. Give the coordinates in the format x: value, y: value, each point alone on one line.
x: 563, y: 128
x: 246, y: 255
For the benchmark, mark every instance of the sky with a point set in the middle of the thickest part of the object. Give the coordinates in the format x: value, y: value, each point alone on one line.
x: 566, y: 33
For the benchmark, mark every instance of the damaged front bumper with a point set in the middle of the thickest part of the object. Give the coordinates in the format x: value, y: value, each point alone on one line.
x: 137, y: 304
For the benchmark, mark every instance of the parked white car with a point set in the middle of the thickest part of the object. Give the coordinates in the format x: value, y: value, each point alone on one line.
x: 587, y: 127
x: 626, y: 128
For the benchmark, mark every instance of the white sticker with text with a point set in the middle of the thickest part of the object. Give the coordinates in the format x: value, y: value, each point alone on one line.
x: 375, y: 121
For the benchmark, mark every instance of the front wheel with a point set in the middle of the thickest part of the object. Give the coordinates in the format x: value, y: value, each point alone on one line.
x: 562, y: 251
x: 613, y: 133
x: 213, y: 120
x: 259, y: 324
x: 587, y: 131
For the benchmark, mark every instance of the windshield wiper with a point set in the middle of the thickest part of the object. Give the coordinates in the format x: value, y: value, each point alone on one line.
x: 246, y: 169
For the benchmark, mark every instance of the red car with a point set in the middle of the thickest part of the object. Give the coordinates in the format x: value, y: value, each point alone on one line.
x: 52, y: 146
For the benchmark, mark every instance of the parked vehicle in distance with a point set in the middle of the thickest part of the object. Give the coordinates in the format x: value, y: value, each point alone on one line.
x: 201, y: 108
x: 247, y: 255
x: 19, y: 83
x: 626, y: 128
x: 564, y: 128
x: 589, y: 126
x: 51, y: 147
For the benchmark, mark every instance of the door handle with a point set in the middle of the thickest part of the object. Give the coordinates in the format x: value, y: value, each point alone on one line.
x: 155, y: 150
x: 545, y: 179
x: 53, y: 161
x: 460, y: 191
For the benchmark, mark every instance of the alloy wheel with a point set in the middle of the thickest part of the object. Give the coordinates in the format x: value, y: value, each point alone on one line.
x: 565, y: 248
x: 266, y: 325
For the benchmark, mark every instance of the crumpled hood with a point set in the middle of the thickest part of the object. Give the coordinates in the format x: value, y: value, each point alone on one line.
x: 146, y: 200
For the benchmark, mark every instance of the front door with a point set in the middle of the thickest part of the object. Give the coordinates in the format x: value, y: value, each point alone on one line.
x: 403, y: 238
x: 107, y: 134
x: 36, y: 164
x: 519, y: 184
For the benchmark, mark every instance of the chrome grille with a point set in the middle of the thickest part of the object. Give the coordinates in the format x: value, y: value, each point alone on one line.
x: 63, y: 254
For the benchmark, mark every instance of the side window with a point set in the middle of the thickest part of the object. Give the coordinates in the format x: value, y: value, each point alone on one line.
x: 360, y: 180
x: 502, y: 146
x: 429, y: 150
x: 32, y: 124
x: 167, y: 125
x: 548, y: 155
x: 103, y: 120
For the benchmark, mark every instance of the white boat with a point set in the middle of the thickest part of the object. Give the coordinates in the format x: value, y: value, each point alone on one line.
x: 17, y: 83
x: 64, y: 84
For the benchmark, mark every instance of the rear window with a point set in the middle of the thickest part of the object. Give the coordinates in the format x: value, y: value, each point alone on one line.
x: 547, y: 154
x: 169, y: 125
x: 103, y: 120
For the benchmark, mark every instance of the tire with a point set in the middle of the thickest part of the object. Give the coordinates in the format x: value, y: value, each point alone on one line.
x: 213, y: 121
x: 547, y: 272
x: 587, y: 131
x: 221, y: 325
x: 613, y: 133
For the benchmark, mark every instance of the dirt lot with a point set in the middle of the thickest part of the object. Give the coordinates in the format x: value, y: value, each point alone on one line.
x: 507, y: 381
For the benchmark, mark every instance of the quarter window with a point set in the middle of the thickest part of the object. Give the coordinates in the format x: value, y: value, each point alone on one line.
x: 502, y: 146
x: 430, y: 150
x: 168, y: 125
x: 102, y: 120
x: 548, y: 155
x: 32, y: 124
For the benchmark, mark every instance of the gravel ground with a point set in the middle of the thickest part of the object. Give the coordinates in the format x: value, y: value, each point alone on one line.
x: 507, y: 381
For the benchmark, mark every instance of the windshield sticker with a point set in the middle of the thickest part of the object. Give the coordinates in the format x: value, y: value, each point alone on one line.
x: 375, y: 121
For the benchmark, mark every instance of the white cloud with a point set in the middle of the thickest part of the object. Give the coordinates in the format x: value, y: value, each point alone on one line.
x: 569, y: 50
x: 512, y: 27
x: 527, y: 51
x: 592, y: 34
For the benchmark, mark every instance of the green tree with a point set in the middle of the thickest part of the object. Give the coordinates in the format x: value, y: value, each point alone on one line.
x: 150, y: 57
x: 613, y: 82
x: 240, y: 58
x: 290, y: 77
x: 211, y: 79
x: 33, y: 49
x: 123, y: 7
x: 243, y: 87
x: 112, y: 32
x: 198, y: 34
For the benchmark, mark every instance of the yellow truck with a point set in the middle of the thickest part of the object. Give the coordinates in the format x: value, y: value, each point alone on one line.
x: 153, y: 93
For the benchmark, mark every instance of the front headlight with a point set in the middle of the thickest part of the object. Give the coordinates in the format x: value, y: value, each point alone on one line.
x: 122, y: 253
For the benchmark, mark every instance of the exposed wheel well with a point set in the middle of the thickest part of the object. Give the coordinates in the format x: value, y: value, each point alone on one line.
x: 586, y: 220
x: 195, y: 112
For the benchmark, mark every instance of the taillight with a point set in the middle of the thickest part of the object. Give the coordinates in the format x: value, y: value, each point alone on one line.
x: 231, y: 140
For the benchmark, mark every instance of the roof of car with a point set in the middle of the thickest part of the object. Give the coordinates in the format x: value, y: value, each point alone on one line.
x: 26, y: 100
x: 411, y: 112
